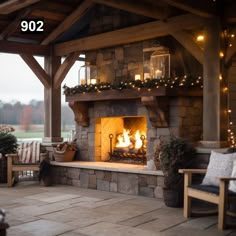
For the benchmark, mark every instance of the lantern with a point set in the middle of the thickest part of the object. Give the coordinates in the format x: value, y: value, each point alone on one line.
x: 87, y: 74
x: 156, y: 62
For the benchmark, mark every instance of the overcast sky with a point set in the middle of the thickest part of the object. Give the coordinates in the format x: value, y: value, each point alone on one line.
x: 18, y: 82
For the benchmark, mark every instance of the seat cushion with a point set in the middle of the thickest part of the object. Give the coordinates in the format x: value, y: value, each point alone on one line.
x: 232, y: 184
x: 220, y: 165
x: 210, y: 189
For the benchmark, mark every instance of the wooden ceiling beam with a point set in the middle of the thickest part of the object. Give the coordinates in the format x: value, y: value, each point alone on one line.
x: 138, y: 7
x: 25, y: 48
x: 188, y: 42
x: 69, y: 21
x: 230, y: 13
x: 64, y: 69
x: 37, y: 69
x: 12, y: 27
x: 14, y: 5
x: 200, y: 8
x: 129, y: 35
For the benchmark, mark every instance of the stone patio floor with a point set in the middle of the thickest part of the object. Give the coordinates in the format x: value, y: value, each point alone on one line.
x: 33, y: 210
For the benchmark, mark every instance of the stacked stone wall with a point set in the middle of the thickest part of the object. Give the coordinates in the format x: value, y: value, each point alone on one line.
x: 110, y: 181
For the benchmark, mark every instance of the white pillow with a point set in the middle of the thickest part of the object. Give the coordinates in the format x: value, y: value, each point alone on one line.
x: 220, y: 165
x: 232, y: 183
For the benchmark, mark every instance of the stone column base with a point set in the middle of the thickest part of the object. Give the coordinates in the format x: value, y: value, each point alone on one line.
x: 214, y: 144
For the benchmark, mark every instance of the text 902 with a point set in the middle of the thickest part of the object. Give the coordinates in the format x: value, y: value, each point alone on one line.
x: 32, y: 26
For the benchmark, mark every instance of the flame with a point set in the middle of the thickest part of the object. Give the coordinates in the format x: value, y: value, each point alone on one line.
x: 124, y: 139
x: 138, y: 141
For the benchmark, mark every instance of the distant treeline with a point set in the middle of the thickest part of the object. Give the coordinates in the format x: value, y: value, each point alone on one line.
x: 33, y: 113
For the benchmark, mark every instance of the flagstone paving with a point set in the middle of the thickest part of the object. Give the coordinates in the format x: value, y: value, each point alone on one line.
x: 33, y: 210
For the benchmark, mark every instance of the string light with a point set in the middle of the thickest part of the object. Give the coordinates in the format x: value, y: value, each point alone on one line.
x: 200, y: 38
x: 225, y: 89
x: 183, y: 82
x: 221, y: 54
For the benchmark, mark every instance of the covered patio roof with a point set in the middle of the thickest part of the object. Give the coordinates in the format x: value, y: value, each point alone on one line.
x: 67, y: 33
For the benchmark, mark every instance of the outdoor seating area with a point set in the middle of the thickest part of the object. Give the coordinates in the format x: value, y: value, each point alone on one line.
x: 150, y: 112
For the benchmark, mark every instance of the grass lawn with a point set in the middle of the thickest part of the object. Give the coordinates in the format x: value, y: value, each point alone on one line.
x: 37, y: 134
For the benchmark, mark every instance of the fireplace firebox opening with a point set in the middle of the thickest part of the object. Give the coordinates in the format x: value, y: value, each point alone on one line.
x: 121, y: 139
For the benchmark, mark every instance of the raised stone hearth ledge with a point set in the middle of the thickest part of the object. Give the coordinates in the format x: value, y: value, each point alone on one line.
x: 110, y: 177
x: 107, y: 166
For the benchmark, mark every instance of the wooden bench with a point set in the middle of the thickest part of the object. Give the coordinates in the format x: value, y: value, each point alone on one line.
x: 217, y: 195
x: 27, y: 159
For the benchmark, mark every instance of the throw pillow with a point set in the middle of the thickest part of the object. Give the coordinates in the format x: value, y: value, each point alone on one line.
x: 232, y: 184
x: 220, y: 165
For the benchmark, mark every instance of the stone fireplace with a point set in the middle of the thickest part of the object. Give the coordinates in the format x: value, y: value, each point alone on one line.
x: 170, y: 111
x: 162, y: 111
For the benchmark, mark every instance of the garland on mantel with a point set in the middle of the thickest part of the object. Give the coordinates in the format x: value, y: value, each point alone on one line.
x: 177, y: 82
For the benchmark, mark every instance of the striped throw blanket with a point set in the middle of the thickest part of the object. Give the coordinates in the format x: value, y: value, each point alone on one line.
x: 29, y: 152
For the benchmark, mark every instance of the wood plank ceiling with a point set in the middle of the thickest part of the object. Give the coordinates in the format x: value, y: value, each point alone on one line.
x: 65, y: 22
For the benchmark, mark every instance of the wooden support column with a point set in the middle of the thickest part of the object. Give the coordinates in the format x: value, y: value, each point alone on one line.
x: 52, y: 101
x: 214, y: 110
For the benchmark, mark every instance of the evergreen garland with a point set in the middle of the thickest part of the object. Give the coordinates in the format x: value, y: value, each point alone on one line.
x: 183, y: 82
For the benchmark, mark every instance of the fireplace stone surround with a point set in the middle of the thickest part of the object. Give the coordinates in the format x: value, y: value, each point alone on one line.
x: 177, y: 112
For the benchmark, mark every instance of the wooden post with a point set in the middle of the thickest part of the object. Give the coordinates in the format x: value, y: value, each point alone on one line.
x: 214, y: 110
x: 52, y: 103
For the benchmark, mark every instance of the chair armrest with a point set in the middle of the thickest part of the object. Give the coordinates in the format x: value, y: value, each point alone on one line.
x: 12, y: 155
x: 192, y: 171
x: 226, y: 179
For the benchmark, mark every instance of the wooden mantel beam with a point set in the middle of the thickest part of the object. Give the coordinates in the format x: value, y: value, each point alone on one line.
x: 80, y: 11
x: 37, y: 69
x: 138, y: 7
x: 129, y: 35
x: 14, y: 5
x: 64, y: 69
x: 24, y: 48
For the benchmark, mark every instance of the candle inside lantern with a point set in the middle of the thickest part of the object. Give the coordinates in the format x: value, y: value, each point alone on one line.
x: 158, y: 73
x: 82, y: 81
x: 137, y: 77
x: 93, y: 81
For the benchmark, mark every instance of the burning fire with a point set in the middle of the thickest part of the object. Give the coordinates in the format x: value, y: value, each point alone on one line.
x: 127, y: 140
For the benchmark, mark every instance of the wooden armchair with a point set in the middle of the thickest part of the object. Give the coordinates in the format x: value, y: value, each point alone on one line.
x: 218, y: 195
x: 27, y: 159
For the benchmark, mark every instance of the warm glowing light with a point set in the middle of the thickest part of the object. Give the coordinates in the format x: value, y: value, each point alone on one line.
x: 124, y: 139
x: 229, y: 111
x: 138, y: 141
x: 221, y: 54
x: 225, y: 89
x: 137, y: 77
x: 230, y: 122
x: 200, y: 38
x: 230, y: 45
x: 220, y: 77
x: 232, y: 35
x: 93, y: 81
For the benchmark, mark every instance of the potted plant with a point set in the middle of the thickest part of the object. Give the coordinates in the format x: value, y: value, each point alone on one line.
x: 174, y: 154
x: 8, y: 144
